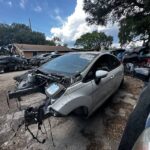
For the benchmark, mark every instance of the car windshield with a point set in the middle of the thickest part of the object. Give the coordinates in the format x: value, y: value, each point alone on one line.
x: 72, y: 63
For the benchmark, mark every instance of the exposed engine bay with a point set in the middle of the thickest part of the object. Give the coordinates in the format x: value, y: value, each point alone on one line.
x: 52, y: 85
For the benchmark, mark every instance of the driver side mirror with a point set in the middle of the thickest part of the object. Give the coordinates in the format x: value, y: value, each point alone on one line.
x: 101, y: 74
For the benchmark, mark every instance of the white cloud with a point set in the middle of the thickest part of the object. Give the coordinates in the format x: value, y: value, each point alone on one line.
x: 9, y: 3
x: 48, y: 38
x: 23, y: 3
x: 59, y: 19
x: 116, y: 45
x: 38, y: 9
x: 75, y: 25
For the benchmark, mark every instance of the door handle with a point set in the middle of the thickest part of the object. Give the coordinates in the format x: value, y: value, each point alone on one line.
x: 112, y: 76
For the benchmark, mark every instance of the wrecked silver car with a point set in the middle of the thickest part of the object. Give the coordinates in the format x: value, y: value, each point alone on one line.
x: 76, y: 82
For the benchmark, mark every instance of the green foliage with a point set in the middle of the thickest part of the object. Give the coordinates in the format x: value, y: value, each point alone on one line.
x: 134, y: 28
x: 20, y: 33
x: 133, y: 15
x: 50, y: 43
x: 65, y: 45
x: 94, y: 40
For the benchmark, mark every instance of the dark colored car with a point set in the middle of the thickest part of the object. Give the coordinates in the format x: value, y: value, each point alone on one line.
x: 137, y: 56
x: 36, y: 60
x: 48, y: 58
x: 11, y: 63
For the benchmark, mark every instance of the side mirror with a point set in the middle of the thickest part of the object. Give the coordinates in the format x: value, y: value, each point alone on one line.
x: 101, y: 74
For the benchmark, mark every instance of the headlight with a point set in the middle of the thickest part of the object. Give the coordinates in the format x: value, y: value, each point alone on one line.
x: 54, y: 90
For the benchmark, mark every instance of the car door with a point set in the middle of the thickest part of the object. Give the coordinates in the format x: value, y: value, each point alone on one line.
x: 117, y: 72
x: 101, y: 90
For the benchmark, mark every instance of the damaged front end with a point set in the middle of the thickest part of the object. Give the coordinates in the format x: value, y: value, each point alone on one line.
x: 52, y: 85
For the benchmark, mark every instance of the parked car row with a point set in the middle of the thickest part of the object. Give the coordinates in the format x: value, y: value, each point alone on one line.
x: 10, y: 61
x: 13, y: 63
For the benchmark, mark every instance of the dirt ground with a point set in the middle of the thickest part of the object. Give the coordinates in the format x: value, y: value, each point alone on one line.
x: 102, y: 131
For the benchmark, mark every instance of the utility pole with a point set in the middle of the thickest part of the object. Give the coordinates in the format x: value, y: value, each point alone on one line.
x: 30, y: 24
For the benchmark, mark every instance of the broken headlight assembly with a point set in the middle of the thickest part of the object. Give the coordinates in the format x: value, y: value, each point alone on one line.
x: 54, y: 91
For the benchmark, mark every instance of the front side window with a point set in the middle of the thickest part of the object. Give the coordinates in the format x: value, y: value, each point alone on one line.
x: 105, y: 62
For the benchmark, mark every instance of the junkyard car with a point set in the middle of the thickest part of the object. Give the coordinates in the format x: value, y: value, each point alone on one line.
x: 75, y: 82
x: 138, y: 57
x: 48, y: 58
x: 36, y: 60
x: 142, y: 73
x: 11, y: 63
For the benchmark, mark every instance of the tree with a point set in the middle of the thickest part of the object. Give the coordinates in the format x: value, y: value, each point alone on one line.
x: 50, y: 43
x: 65, y: 45
x: 20, y: 33
x: 95, y: 40
x: 134, y: 29
x: 133, y: 15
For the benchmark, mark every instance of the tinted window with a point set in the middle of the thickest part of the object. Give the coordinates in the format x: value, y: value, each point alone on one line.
x: 72, y: 63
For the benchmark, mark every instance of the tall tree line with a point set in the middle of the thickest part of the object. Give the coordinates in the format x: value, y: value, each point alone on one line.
x: 21, y: 33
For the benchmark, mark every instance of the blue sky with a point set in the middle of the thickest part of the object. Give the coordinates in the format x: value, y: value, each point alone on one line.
x: 62, y: 18
x: 41, y: 12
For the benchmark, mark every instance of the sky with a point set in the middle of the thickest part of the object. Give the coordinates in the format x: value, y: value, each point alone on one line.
x: 60, y: 18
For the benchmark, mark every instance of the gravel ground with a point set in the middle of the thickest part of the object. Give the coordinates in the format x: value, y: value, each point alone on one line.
x: 102, y: 131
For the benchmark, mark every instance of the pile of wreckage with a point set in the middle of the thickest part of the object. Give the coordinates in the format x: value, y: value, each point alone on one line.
x: 136, y: 61
x: 13, y: 60
x: 39, y: 60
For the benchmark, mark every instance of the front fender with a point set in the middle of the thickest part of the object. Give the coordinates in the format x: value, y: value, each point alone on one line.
x: 67, y: 104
